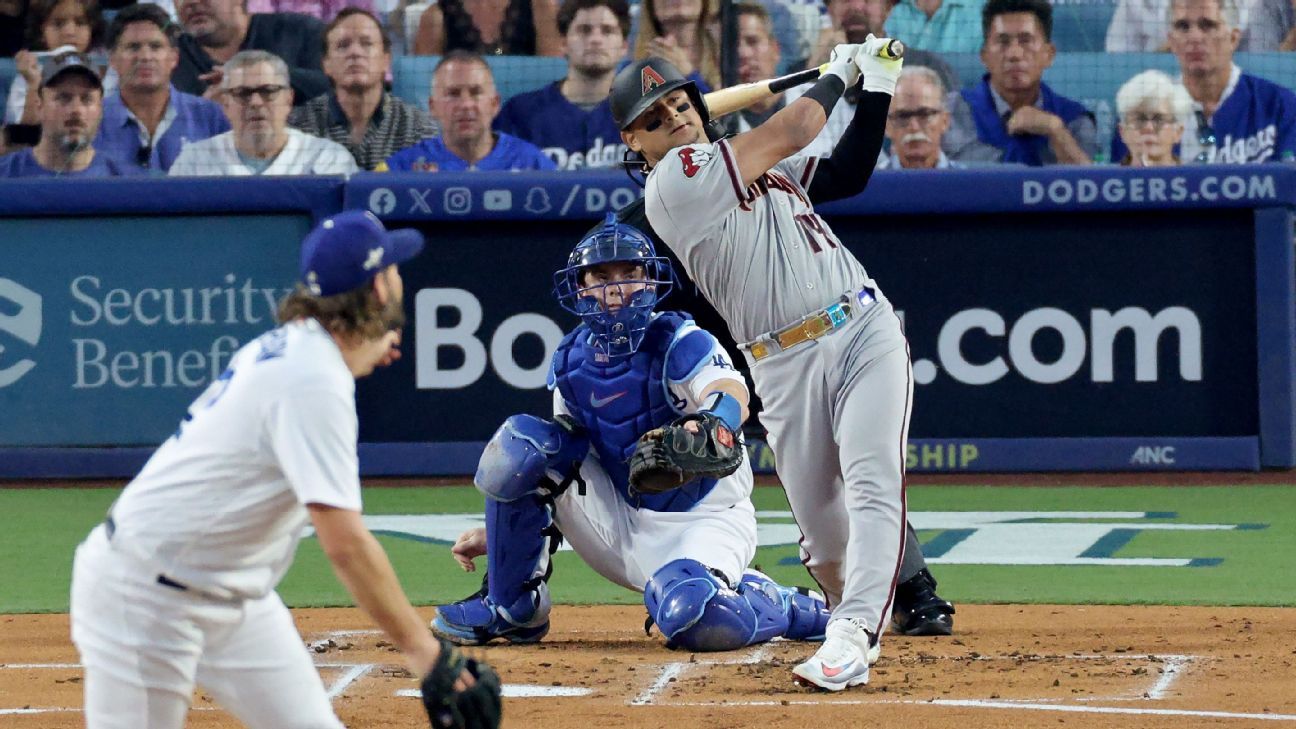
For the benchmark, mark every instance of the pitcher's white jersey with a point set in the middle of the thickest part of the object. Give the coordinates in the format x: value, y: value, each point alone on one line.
x: 220, y: 506
x: 760, y: 254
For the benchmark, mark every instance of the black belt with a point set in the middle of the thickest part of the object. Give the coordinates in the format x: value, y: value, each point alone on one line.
x: 110, y: 528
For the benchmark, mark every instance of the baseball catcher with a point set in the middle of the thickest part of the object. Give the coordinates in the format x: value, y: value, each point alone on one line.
x: 640, y: 468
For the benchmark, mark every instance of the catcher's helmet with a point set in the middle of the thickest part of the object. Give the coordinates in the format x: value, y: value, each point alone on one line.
x: 618, y: 332
x: 642, y: 83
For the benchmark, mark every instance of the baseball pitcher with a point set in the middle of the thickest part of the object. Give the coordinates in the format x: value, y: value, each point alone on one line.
x: 825, y: 348
x: 177, y: 586
x: 640, y: 469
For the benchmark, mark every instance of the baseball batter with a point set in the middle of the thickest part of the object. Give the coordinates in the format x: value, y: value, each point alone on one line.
x: 827, y: 354
x: 176, y: 587
x: 625, y: 370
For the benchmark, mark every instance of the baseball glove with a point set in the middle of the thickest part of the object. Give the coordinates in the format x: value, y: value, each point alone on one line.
x: 671, y: 456
x: 474, y: 708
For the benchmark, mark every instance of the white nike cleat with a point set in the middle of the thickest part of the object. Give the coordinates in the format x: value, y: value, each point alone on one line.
x: 874, y: 653
x: 842, y: 660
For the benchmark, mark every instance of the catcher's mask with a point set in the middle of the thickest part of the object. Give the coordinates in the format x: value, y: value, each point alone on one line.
x: 619, y: 331
x: 643, y: 83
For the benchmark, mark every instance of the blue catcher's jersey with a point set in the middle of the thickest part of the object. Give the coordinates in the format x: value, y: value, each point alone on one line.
x: 620, y: 399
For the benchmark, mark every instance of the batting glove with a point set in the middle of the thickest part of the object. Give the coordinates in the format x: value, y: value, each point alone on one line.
x: 842, y: 63
x: 880, y: 74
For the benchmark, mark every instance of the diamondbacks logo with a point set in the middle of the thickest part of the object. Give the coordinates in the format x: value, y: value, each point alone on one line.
x: 649, y: 79
x: 694, y: 160
x: 24, y: 324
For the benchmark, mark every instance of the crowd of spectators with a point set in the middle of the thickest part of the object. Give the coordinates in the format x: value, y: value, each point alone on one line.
x: 247, y: 87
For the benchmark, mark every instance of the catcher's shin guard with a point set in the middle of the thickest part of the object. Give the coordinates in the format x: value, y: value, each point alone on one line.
x: 807, y: 613
x: 696, y: 610
x: 513, y: 603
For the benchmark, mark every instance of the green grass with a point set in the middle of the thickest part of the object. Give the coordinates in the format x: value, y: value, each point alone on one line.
x: 39, y: 528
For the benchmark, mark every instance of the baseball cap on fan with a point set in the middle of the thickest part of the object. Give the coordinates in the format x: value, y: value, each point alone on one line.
x: 69, y: 62
x: 347, y: 250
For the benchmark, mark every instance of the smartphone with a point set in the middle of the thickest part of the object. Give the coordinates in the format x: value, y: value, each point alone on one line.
x: 22, y: 135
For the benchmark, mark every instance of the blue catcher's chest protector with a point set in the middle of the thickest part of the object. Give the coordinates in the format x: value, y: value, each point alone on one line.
x: 619, y: 399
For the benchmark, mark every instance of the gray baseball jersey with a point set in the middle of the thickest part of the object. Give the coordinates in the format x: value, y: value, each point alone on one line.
x: 836, y: 408
x: 760, y: 255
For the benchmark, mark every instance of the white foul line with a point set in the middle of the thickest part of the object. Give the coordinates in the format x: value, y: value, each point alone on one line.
x: 668, y: 673
x: 1173, y: 664
x: 347, y: 679
x: 980, y: 704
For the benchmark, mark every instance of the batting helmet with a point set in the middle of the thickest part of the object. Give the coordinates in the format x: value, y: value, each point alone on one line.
x: 643, y: 83
x: 617, y: 332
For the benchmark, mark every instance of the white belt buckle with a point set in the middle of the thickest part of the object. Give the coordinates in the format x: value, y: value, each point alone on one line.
x: 865, y: 296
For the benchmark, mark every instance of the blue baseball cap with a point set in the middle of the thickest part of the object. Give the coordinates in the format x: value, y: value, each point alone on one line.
x: 347, y: 250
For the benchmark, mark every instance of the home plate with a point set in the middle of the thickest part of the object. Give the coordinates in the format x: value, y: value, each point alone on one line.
x: 523, y: 691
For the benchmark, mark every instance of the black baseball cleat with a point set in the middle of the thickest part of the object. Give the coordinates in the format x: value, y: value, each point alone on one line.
x: 919, y: 610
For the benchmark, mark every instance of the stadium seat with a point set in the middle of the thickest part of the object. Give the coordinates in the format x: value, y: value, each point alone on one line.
x: 7, y: 72
x: 412, y: 75
x: 1081, y: 25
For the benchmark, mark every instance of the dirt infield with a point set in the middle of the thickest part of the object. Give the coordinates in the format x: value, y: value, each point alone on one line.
x: 1009, y: 666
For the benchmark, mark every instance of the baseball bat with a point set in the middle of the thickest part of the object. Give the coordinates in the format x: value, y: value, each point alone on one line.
x: 736, y: 98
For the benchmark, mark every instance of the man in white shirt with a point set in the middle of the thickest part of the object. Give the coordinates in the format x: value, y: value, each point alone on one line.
x: 916, y: 122
x: 177, y: 586
x: 257, y: 99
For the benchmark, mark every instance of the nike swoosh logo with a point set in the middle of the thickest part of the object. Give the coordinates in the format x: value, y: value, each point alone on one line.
x: 599, y: 402
x: 830, y: 672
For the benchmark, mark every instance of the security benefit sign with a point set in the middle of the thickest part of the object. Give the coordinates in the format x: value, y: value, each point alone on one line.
x: 1102, y: 324
x: 109, y: 327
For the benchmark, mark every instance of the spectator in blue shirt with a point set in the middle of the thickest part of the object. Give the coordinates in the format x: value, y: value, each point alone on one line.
x: 147, y: 120
x: 1237, y: 117
x: 941, y: 26
x: 570, y: 119
x: 464, y: 102
x: 70, y: 100
x: 1012, y: 115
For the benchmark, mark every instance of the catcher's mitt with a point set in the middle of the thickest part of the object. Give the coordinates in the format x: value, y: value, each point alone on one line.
x: 474, y: 708
x: 671, y: 456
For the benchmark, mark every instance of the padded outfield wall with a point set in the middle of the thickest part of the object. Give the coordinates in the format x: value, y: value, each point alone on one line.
x: 1068, y: 319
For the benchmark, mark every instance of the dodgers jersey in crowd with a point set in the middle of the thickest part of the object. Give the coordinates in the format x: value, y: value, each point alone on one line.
x: 619, y: 399
x: 695, y: 201
x: 1254, y: 122
x: 220, y: 506
x: 573, y: 137
x: 432, y: 155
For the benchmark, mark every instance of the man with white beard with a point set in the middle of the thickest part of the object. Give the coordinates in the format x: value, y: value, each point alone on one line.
x: 916, y: 122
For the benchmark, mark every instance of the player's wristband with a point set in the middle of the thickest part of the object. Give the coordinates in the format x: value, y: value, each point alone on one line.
x: 826, y: 91
x: 726, y: 407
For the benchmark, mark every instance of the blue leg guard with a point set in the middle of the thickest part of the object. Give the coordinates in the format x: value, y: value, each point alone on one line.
x: 514, y: 601
x: 697, y: 611
x: 806, y: 611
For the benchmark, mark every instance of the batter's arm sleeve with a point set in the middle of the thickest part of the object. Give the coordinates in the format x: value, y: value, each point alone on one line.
x: 313, y: 434
x: 846, y: 173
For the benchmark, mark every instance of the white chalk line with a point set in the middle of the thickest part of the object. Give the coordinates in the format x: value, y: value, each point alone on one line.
x: 347, y: 678
x: 997, y: 704
x: 1170, y: 672
x: 673, y: 671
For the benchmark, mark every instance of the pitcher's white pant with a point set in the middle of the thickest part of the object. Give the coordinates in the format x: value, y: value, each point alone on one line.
x: 145, y: 645
x: 837, y: 411
x: 627, y: 545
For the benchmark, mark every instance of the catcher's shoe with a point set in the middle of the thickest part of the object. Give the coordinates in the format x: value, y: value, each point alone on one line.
x: 919, y: 610
x: 842, y: 661
x: 478, y: 620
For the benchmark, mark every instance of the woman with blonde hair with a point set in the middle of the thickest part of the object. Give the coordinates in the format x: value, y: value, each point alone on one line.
x: 1152, y: 109
x: 684, y: 32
